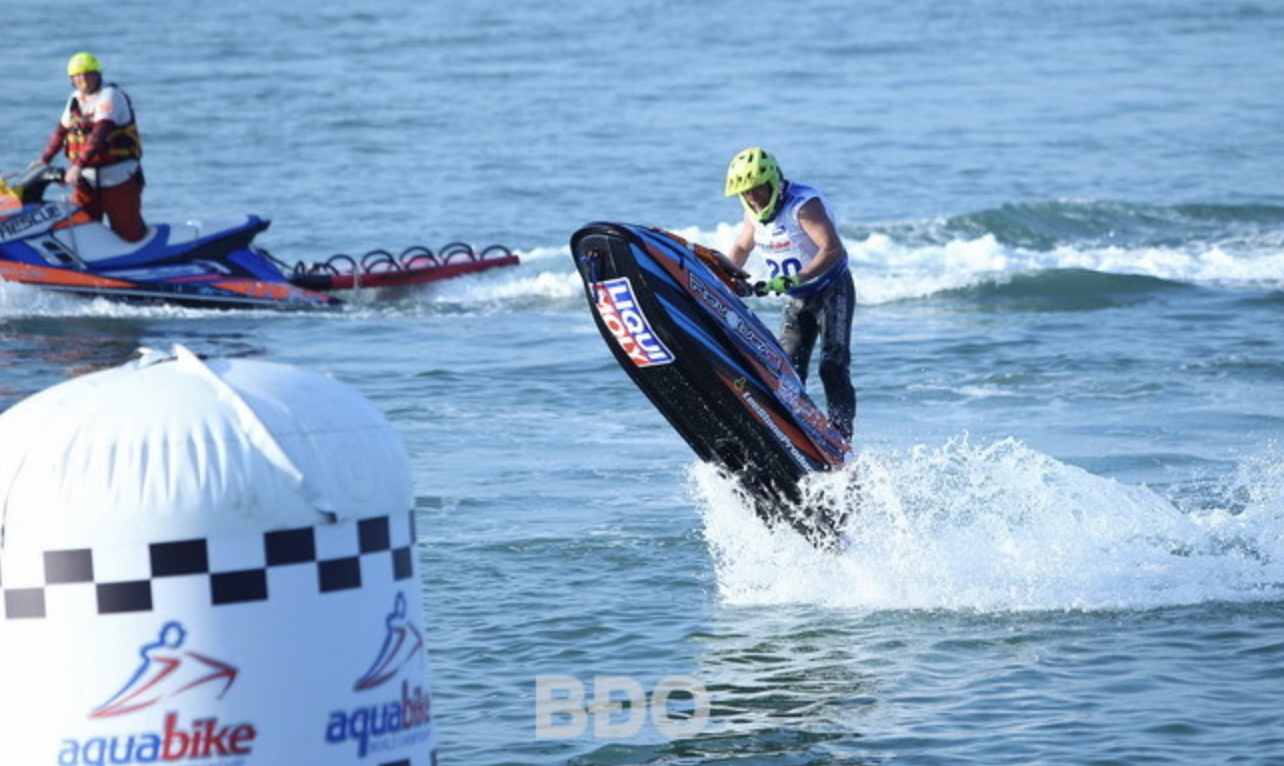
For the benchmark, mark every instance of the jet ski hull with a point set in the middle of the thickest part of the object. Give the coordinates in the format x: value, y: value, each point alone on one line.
x: 208, y: 291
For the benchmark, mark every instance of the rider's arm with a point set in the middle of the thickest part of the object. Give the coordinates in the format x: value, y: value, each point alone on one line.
x: 743, y: 245
x: 55, y: 144
x: 821, y: 229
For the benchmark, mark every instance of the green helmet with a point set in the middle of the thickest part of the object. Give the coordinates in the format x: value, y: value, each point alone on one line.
x: 750, y: 169
x: 83, y: 62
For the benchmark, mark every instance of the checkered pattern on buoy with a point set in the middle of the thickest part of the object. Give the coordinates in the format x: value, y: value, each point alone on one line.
x: 237, y: 571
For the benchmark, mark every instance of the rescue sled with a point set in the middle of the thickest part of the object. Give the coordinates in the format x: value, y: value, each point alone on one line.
x: 671, y: 313
x: 415, y: 266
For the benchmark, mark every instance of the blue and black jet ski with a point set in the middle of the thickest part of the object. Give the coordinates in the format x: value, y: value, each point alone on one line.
x: 671, y: 313
x: 55, y: 245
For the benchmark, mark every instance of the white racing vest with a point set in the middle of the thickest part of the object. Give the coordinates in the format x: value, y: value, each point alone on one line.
x: 785, y: 246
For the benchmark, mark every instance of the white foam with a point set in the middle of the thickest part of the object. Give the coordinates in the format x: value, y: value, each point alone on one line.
x: 24, y: 300
x: 889, y: 269
x: 1000, y: 527
x: 538, y: 279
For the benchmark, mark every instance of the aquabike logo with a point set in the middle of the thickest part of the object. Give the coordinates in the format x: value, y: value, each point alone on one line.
x: 391, y: 724
x: 168, y: 669
x: 624, y: 318
x: 204, y: 741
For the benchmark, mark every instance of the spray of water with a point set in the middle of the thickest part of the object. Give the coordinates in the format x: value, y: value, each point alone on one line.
x: 1000, y: 527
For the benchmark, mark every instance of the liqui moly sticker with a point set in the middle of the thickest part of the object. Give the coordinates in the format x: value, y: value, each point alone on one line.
x: 623, y: 316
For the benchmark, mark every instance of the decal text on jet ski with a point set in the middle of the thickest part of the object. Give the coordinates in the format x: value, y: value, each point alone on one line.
x: 614, y: 302
x: 771, y: 425
x: 20, y: 225
x: 732, y: 319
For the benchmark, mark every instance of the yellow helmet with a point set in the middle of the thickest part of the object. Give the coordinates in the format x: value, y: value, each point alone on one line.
x: 83, y: 62
x: 750, y: 169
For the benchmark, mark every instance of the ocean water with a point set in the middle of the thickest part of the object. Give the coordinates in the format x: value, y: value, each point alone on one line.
x: 1067, y: 228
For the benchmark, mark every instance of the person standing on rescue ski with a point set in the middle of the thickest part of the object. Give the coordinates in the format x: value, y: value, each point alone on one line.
x: 99, y: 131
x: 793, y: 226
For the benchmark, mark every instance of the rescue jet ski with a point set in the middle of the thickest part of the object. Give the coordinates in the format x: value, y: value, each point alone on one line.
x: 672, y: 315
x: 56, y: 245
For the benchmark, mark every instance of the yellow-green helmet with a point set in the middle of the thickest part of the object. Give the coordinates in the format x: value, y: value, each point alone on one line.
x: 750, y: 169
x: 83, y: 62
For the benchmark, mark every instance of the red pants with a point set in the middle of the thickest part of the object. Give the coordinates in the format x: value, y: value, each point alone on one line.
x: 123, y: 206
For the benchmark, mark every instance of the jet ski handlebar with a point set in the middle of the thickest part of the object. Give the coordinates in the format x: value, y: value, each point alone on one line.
x: 30, y: 185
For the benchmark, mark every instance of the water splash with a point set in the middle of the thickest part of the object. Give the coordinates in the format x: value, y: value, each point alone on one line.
x: 545, y: 278
x: 1001, y: 527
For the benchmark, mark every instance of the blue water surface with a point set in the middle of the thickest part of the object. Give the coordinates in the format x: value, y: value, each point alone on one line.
x: 1067, y: 229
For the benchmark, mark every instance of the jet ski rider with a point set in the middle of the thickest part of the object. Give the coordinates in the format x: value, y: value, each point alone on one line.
x: 795, y: 230
x: 100, y: 134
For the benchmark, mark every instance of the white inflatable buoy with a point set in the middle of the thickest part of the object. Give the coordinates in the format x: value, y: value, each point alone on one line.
x: 208, y: 564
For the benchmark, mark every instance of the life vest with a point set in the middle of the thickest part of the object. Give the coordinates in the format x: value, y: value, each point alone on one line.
x: 123, y: 142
